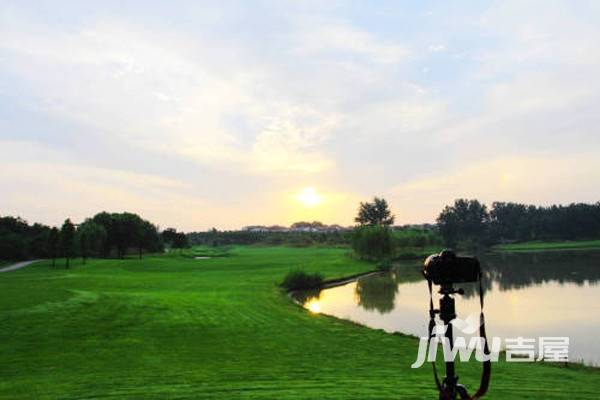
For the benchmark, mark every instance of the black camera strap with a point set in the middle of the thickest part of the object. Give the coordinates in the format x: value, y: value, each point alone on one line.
x: 487, y: 365
x: 486, y: 374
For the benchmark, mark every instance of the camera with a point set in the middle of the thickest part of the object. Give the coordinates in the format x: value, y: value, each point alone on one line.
x: 447, y: 268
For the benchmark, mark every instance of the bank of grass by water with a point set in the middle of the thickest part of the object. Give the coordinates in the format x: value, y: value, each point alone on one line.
x: 172, y: 327
x: 541, y: 245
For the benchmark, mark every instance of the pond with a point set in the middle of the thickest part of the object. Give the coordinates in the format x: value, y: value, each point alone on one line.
x: 532, y: 295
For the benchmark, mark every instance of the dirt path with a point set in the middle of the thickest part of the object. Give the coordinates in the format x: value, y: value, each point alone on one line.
x: 17, y: 266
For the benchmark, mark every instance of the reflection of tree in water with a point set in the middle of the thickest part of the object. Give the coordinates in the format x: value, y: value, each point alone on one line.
x: 405, y: 273
x: 377, y: 293
x: 304, y: 296
x: 520, y: 270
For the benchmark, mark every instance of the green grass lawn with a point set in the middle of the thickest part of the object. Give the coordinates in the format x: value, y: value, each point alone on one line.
x: 171, y: 327
x: 537, y: 245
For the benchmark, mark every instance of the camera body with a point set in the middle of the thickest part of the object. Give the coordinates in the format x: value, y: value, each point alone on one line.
x: 447, y: 268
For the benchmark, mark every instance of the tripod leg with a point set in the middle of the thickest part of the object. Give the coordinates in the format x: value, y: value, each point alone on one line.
x: 446, y: 395
x: 462, y: 391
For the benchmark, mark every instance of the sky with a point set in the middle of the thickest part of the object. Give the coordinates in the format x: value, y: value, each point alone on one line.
x: 226, y: 114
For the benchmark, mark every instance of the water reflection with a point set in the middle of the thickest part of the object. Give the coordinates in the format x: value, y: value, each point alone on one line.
x: 377, y: 293
x: 510, y: 271
x: 515, y: 271
x: 530, y: 295
x: 305, y: 296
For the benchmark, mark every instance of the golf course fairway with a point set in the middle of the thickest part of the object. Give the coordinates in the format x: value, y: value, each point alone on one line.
x: 175, y: 327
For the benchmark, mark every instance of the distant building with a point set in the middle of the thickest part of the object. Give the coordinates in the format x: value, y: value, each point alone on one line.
x: 255, y: 228
x: 277, y: 228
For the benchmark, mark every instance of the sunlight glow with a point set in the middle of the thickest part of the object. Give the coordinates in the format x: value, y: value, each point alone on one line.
x: 309, y: 197
x: 313, y: 306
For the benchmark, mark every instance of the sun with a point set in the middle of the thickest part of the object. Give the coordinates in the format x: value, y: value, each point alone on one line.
x: 309, y: 197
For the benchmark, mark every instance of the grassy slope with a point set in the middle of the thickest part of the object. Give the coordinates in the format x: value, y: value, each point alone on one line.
x: 533, y: 246
x: 175, y: 328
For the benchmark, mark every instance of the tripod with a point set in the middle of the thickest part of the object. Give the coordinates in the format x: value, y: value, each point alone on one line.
x: 444, y: 270
x: 450, y: 386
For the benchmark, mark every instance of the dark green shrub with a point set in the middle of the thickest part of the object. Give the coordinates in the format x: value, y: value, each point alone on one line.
x: 300, y: 280
x: 373, y: 242
x: 300, y: 241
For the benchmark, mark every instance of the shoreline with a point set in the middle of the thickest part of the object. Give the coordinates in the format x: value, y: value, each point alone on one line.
x: 564, y: 245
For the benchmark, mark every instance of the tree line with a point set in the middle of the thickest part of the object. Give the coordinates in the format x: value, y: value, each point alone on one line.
x: 215, y: 238
x: 103, y: 235
x: 469, y: 223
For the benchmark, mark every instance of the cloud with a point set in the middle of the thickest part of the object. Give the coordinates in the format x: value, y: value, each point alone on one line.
x: 520, y: 179
x: 138, y: 87
x: 334, y: 38
x: 248, y: 103
x: 436, y: 48
x: 291, y: 142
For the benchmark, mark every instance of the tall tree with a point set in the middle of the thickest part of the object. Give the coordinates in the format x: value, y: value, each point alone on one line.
x: 127, y: 228
x: 147, y: 238
x: 176, y: 240
x: 106, y: 220
x: 169, y: 236
x: 90, y: 237
x: 466, y: 220
x: 38, y: 241
x: 181, y: 241
x: 83, y: 238
x: 67, y: 235
x: 53, y: 244
x: 375, y: 213
x: 13, y: 238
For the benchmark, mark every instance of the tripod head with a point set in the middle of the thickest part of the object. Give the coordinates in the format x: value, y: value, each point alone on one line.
x: 448, y: 289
